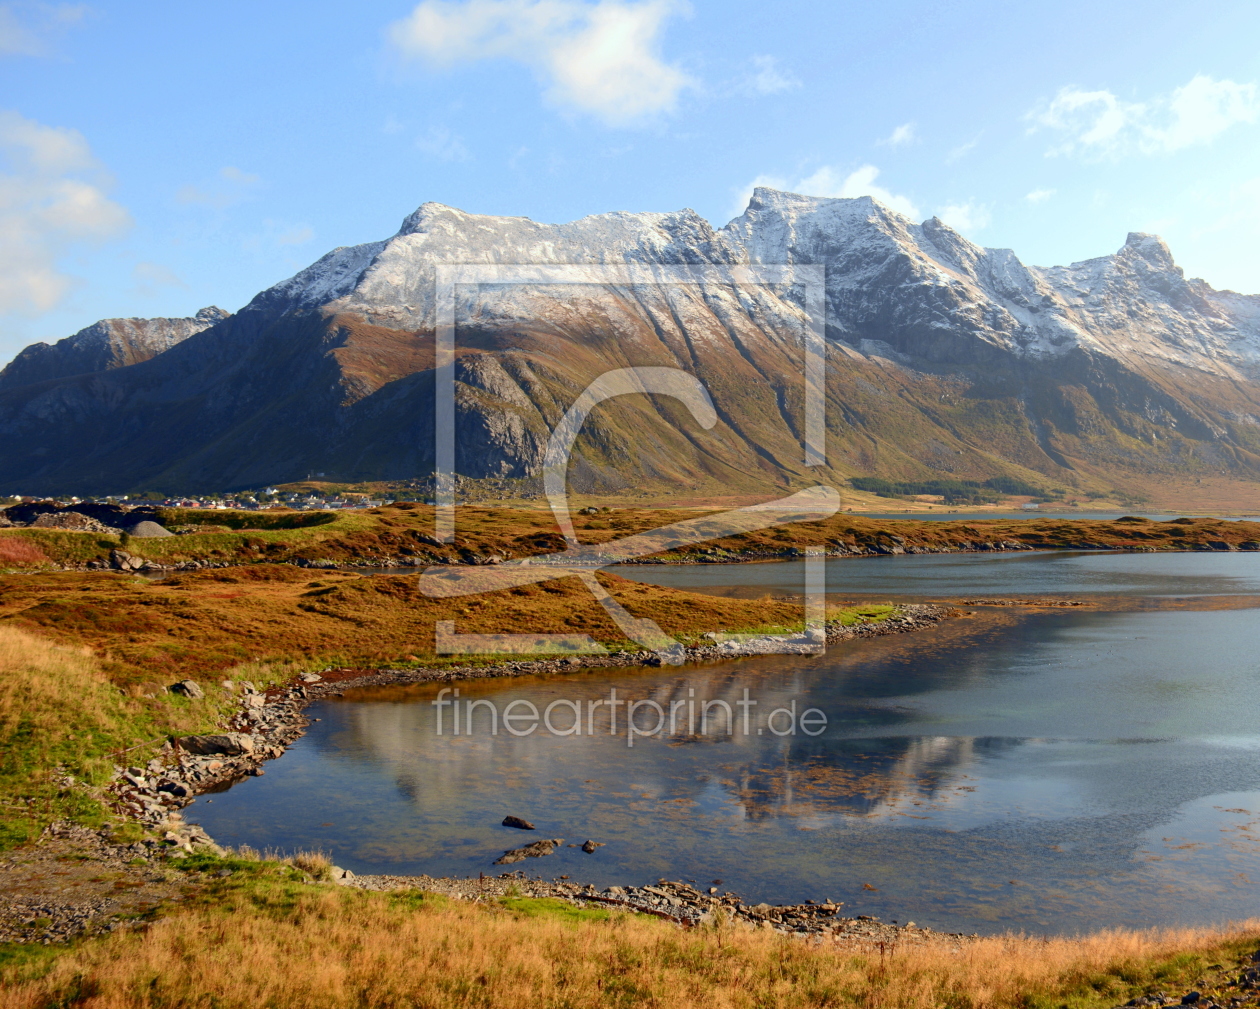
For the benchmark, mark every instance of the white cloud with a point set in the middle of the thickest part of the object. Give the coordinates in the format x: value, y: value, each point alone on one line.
x: 441, y: 144
x: 52, y: 197
x: 965, y: 217
x: 1040, y: 195
x: 231, y: 186
x: 828, y: 182
x: 597, y: 57
x: 1097, y: 124
x: 26, y: 28
x: 768, y: 79
x: 903, y: 134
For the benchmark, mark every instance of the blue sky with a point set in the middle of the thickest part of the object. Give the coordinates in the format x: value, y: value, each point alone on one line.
x: 158, y: 157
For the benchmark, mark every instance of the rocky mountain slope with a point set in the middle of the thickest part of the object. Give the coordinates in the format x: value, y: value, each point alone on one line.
x: 110, y: 343
x: 945, y: 360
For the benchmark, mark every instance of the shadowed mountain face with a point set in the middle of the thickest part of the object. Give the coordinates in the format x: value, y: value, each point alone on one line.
x: 110, y: 343
x: 945, y: 360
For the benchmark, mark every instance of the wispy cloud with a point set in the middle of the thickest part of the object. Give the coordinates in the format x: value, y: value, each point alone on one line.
x: 52, y: 197
x: 298, y: 234
x: 1040, y: 195
x: 151, y: 277
x: 28, y: 29
x: 600, y: 58
x: 965, y: 217
x: 277, y: 242
x: 902, y: 135
x: 229, y: 187
x: 441, y: 144
x: 962, y: 150
x: 833, y: 183
x: 1098, y: 125
x: 767, y: 78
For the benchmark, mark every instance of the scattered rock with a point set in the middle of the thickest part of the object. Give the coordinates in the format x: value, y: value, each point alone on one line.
x: 310, y: 678
x: 589, y: 846
x: 535, y: 850
x: 121, y: 560
x: 72, y: 521
x: 229, y: 744
x: 188, y: 688
x: 516, y: 821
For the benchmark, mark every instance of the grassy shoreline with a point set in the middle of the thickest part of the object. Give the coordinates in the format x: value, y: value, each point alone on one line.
x: 402, y: 535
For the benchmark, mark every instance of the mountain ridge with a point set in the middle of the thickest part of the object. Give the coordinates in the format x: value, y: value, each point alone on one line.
x: 106, y: 344
x: 944, y: 359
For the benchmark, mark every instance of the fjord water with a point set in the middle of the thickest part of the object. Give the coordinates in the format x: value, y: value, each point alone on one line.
x: 1052, y: 771
x: 969, y: 574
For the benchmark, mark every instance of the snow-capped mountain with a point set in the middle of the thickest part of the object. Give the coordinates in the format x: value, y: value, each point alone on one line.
x: 945, y: 359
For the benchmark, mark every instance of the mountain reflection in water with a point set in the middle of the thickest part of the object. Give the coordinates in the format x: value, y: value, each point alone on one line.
x: 1053, y: 770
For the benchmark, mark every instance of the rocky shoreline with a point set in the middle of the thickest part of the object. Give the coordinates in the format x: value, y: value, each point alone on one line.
x: 681, y: 903
x: 266, y: 722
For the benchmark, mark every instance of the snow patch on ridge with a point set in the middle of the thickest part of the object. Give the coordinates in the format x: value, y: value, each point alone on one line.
x: 921, y: 289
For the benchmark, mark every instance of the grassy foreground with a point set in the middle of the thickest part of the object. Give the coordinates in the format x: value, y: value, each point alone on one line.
x: 259, y: 938
x: 64, y: 725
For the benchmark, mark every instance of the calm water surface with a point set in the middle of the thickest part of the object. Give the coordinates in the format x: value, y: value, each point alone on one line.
x: 1053, y: 771
x: 949, y: 575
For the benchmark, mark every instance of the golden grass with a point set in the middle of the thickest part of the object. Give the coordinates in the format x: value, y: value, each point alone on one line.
x: 314, y: 947
x: 200, y: 624
x: 315, y: 864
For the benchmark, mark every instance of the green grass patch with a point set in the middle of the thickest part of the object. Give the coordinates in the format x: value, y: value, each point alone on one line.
x: 63, y: 726
x: 864, y: 614
x: 551, y: 907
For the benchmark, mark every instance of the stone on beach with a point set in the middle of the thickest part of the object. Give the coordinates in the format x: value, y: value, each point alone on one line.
x: 228, y: 744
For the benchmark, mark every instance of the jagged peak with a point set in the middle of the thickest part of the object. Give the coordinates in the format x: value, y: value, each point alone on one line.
x: 767, y: 198
x: 1149, y: 247
x: 423, y: 215
x: 426, y: 214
